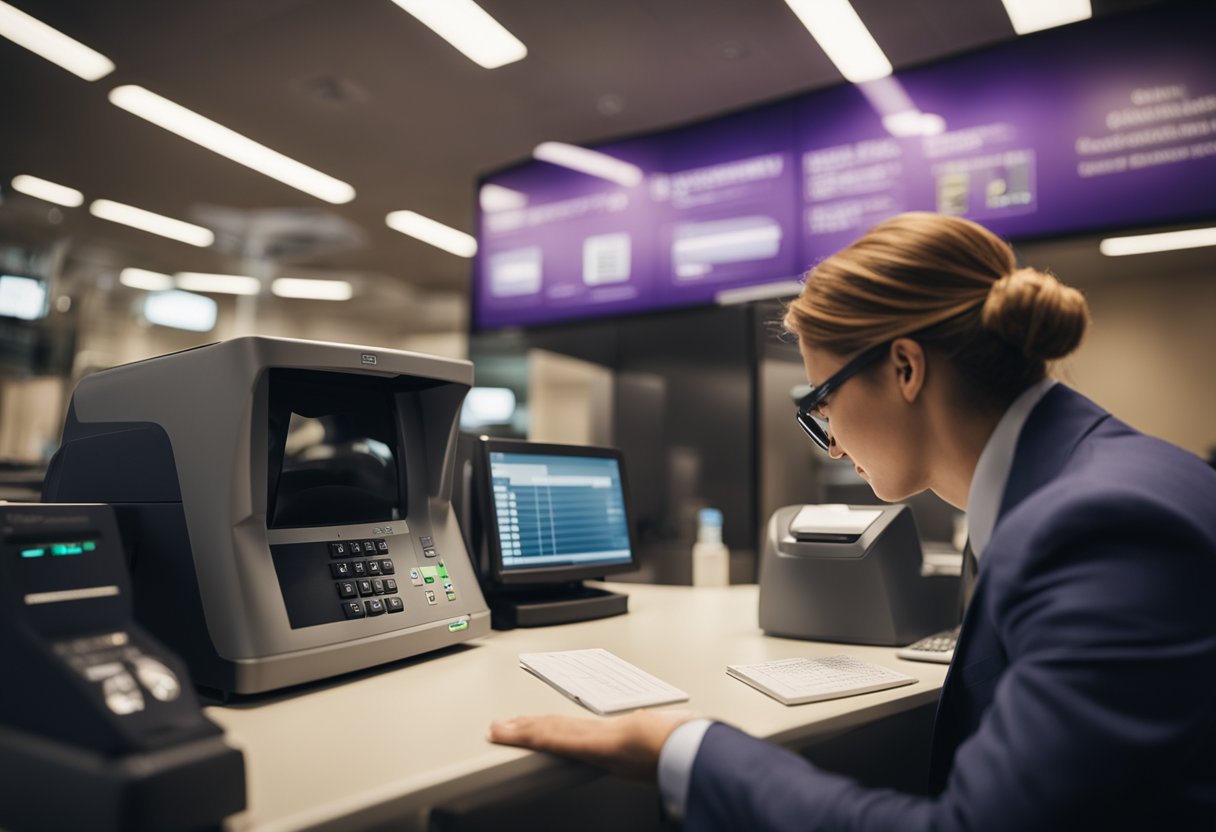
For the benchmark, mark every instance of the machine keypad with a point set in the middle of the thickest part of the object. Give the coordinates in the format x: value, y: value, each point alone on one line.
x: 360, y: 570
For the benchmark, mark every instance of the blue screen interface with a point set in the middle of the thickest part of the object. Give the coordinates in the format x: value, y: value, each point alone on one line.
x: 555, y: 511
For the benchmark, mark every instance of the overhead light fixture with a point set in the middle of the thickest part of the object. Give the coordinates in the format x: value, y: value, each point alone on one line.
x: 497, y: 198
x: 298, y: 287
x: 838, y: 30
x: 230, y: 144
x: 53, y: 45
x: 180, y: 310
x: 469, y: 28
x: 49, y: 191
x: 1035, y: 15
x: 1163, y: 241
x: 429, y: 231
x: 591, y: 162
x: 218, y: 284
x: 184, y: 232
x: 147, y: 280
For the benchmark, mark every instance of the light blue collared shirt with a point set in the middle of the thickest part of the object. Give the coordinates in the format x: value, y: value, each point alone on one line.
x: 983, y: 502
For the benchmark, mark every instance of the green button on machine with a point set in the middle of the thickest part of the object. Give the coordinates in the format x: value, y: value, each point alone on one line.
x: 457, y: 626
x: 429, y: 574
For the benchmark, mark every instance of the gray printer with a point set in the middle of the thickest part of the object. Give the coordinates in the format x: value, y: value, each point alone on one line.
x: 850, y: 574
x: 285, y: 504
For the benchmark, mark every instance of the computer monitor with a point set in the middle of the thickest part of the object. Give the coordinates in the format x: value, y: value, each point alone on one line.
x: 543, y: 517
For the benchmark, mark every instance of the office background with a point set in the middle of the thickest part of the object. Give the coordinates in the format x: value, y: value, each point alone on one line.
x: 367, y: 94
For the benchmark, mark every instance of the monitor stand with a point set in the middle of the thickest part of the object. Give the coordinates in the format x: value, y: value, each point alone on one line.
x: 542, y: 605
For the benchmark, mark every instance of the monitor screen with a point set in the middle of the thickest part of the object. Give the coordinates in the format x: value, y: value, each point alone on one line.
x: 334, y: 453
x: 556, y: 509
x: 22, y: 297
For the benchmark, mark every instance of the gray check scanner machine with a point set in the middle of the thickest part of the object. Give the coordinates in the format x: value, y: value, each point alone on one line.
x: 850, y: 574
x: 285, y: 504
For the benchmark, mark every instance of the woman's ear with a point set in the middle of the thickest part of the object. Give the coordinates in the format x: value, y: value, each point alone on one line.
x: 910, y: 367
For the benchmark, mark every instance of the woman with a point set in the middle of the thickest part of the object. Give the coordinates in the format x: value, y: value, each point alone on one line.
x: 1083, y: 689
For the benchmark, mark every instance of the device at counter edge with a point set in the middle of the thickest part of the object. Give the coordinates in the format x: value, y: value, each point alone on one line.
x: 251, y: 476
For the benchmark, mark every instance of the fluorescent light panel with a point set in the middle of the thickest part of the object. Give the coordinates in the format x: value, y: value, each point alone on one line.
x: 840, y: 33
x: 53, y: 45
x: 184, y: 232
x: 143, y: 279
x: 47, y: 190
x: 218, y: 284
x: 298, y: 287
x: 180, y: 310
x: 1035, y: 15
x: 1163, y: 241
x: 469, y: 28
x: 429, y: 231
x: 591, y: 162
x: 230, y: 144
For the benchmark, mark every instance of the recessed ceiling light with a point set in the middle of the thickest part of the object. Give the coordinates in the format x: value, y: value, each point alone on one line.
x: 143, y: 279
x: 230, y: 144
x: 218, y: 284
x: 298, y: 287
x: 838, y: 30
x: 1162, y: 241
x: 1034, y: 15
x: 53, y: 45
x: 429, y: 231
x: 49, y: 191
x: 469, y: 28
x: 497, y: 198
x: 185, y: 232
x: 591, y: 162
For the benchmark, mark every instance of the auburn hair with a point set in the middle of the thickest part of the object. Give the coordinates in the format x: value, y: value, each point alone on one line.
x: 954, y: 287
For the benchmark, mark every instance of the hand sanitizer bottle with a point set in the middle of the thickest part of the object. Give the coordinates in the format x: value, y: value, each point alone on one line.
x: 710, y: 557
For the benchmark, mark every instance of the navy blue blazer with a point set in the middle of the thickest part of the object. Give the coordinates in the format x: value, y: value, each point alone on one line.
x: 1083, y: 689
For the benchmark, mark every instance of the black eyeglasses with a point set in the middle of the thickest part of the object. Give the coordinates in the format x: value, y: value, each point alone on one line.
x: 816, y: 427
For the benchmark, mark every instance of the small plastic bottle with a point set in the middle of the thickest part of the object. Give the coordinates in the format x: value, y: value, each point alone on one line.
x: 710, y: 557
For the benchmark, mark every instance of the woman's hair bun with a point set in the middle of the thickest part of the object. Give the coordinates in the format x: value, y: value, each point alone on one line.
x: 1036, y: 313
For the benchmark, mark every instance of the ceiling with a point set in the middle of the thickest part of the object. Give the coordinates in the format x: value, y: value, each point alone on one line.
x: 364, y: 92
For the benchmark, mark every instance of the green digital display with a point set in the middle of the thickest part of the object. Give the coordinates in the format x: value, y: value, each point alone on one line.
x: 58, y: 550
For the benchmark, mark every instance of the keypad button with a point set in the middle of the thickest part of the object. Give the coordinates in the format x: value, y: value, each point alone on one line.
x: 341, y: 569
x: 426, y: 542
x: 374, y: 606
x: 386, y: 567
x: 365, y: 588
x: 353, y: 609
x: 451, y: 596
x: 382, y: 546
x: 430, y: 553
x: 378, y: 586
x: 390, y: 585
x: 373, y: 567
x: 430, y: 596
x: 416, y: 577
x: 356, y: 549
x: 394, y: 604
x: 347, y: 589
x: 369, y: 548
x: 358, y: 568
x: 338, y: 550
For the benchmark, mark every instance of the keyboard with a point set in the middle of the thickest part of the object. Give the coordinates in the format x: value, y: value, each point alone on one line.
x: 797, y: 681
x: 938, y: 647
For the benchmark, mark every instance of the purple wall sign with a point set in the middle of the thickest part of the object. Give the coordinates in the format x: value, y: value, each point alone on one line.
x: 1106, y: 124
